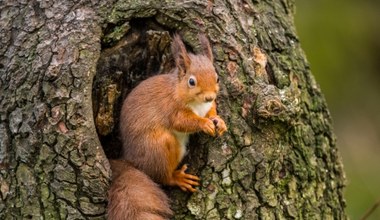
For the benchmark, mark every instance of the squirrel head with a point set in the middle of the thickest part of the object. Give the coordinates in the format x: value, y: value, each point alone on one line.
x: 198, y: 80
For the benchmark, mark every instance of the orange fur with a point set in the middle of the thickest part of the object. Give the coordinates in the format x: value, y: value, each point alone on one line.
x: 127, y: 198
x: 160, y: 113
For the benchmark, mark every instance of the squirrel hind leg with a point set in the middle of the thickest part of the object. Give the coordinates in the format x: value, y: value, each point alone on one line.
x: 172, y: 176
x: 184, y: 181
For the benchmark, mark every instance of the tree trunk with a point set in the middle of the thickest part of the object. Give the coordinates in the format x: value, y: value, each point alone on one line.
x: 278, y: 159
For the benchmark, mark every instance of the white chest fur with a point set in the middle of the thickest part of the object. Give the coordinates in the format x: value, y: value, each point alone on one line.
x: 201, y: 109
x: 183, y: 139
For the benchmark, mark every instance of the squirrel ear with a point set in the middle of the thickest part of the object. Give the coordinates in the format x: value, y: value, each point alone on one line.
x: 206, y: 48
x: 181, y: 57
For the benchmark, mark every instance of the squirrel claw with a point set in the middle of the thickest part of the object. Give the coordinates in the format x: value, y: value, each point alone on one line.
x: 185, y: 181
x: 220, y: 125
x: 209, y: 127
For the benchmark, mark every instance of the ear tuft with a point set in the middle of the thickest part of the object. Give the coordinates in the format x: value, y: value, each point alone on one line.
x: 181, y: 57
x: 206, y: 48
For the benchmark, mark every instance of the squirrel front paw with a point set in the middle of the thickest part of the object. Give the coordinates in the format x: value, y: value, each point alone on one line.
x: 208, y: 127
x: 220, y: 125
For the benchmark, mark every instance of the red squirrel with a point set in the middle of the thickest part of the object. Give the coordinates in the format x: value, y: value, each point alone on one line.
x: 156, y: 120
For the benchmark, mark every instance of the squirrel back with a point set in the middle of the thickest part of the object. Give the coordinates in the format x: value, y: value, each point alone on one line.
x: 133, y: 195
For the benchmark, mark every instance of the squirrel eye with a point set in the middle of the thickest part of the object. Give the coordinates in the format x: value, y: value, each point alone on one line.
x: 192, y: 81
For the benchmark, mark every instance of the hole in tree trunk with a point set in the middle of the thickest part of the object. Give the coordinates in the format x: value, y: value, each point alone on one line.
x: 131, y: 52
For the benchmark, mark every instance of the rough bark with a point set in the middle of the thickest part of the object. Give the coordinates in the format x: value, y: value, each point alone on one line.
x: 277, y: 161
x: 52, y: 163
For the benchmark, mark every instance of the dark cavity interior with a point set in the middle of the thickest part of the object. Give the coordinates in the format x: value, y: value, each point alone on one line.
x: 131, y: 52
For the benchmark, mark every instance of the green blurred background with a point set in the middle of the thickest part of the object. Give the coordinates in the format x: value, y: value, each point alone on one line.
x: 341, y: 39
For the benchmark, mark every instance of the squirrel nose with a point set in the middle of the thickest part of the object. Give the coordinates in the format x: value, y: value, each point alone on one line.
x: 209, y: 98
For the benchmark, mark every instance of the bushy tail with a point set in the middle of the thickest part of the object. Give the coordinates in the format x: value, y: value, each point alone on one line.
x: 134, y: 196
